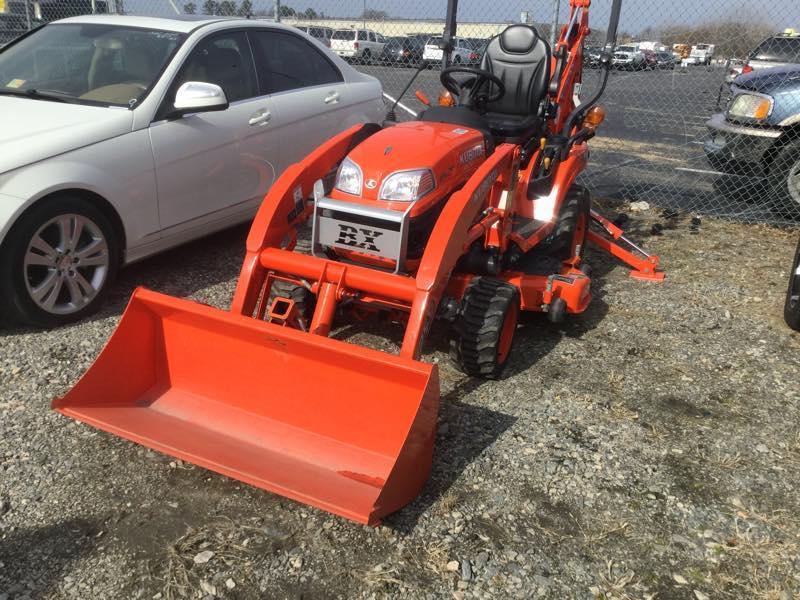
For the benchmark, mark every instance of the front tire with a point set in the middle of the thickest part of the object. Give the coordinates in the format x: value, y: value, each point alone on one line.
x: 785, y: 180
x: 57, y: 263
x: 791, y: 310
x: 483, y: 333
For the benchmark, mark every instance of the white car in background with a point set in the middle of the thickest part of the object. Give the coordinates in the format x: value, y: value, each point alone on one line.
x: 463, y: 52
x: 361, y: 45
x: 123, y: 136
x: 629, y: 57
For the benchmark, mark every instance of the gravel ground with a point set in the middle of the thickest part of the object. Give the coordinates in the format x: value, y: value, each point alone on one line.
x: 647, y: 449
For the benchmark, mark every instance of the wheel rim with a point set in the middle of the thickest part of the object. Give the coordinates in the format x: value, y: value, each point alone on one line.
x: 66, y: 264
x: 507, y: 334
x: 793, y: 183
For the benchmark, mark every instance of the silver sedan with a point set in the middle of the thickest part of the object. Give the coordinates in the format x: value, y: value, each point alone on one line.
x: 123, y: 136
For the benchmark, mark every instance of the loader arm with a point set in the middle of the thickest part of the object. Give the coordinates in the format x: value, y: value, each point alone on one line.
x: 285, y: 207
x: 448, y: 241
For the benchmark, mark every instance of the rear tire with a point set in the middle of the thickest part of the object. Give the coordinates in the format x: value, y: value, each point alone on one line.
x: 563, y: 243
x: 303, y: 299
x: 483, y: 333
x: 791, y: 310
x: 366, y: 57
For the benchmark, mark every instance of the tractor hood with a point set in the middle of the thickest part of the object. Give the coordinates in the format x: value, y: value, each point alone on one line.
x: 443, y: 148
x: 33, y: 130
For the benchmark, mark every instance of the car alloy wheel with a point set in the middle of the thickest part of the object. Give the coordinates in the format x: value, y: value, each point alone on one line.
x: 793, y: 183
x: 66, y: 264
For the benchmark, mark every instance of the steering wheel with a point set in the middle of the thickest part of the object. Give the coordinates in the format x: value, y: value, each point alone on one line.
x: 468, y: 91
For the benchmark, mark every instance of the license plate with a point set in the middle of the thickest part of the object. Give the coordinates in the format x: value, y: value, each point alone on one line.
x: 362, y: 235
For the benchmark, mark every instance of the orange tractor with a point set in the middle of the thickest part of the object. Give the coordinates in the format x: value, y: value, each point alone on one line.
x: 465, y: 216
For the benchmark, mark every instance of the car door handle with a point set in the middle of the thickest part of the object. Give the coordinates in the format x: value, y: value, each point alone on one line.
x: 261, y: 117
x: 332, y: 98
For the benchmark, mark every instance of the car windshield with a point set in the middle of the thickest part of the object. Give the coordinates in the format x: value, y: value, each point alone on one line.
x: 344, y: 34
x: 87, y: 63
x: 778, y: 49
x: 434, y: 41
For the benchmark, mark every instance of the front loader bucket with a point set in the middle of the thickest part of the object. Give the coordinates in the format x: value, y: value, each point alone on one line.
x: 344, y: 428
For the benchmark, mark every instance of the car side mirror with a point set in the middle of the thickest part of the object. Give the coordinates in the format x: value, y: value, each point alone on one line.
x: 197, y: 97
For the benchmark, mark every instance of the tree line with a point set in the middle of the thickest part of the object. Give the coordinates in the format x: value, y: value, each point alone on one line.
x: 229, y: 8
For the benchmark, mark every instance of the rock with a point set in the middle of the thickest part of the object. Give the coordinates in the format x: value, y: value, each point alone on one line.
x: 203, y: 557
x: 700, y: 595
x: 452, y: 565
x: 296, y: 562
x: 679, y: 579
x: 762, y: 448
x: 481, y: 560
x: 230, y: 583
x: 640, y: 206
x: 466, y: 570
x: 208, y: 587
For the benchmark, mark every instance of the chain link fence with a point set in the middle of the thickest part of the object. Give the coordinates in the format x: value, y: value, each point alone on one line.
x: 680, y: 133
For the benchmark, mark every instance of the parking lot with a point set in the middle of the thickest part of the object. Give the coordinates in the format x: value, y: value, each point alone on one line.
x: 650, y: 147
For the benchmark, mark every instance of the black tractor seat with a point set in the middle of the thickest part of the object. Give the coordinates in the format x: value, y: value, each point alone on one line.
x: 521, y: 59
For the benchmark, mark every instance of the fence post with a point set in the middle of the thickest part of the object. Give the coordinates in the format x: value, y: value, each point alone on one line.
x: 554, y: 24
x: 277, y: 9
x: 28, y: 13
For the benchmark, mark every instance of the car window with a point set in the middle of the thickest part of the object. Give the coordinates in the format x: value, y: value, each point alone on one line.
x: 88, y: 63
x: 343, y: 34
x: 286, y: 62
x: 434, y: 41
x: 778, y: 49
x: 362, y: 35
x: 224, y: 60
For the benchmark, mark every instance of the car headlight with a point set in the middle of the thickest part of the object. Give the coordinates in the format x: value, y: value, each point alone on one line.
x: 751, y: 106
x: 407, y: 186
x: 349, y: 178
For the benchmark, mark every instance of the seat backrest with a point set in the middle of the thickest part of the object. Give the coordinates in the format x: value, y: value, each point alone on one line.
x: 521, y: 59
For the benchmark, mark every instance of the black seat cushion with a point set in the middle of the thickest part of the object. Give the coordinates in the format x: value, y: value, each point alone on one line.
x: 521, y: 59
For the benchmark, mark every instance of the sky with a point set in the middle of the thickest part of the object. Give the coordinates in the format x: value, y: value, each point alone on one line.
x: 636, y: 14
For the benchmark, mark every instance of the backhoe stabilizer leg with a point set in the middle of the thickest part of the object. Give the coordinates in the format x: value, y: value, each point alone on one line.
x: 645, y: 266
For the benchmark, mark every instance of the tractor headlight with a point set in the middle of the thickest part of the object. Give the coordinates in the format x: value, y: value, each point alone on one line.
x: 349, y: 178
x: 407, y: 186
x: 751, y: 106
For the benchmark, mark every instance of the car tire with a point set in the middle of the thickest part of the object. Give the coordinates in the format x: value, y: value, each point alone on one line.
x: 784, y: 176
x: 366, y: 57
x: 57, y: 263
x: 791, y: 310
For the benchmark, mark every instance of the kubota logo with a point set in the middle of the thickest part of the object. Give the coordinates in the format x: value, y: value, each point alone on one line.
x: 356, y: 237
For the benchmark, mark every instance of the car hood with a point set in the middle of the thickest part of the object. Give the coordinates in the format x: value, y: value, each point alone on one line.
x: 33, y: 130
x: 770, y: 80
